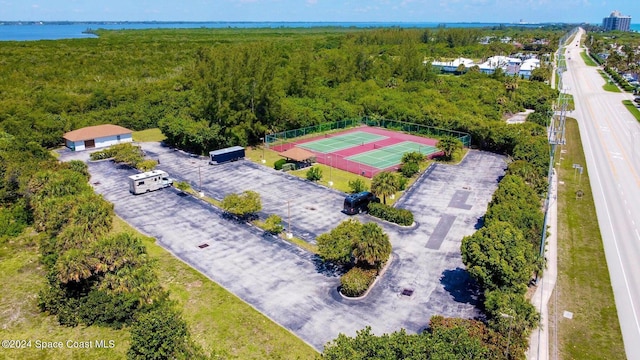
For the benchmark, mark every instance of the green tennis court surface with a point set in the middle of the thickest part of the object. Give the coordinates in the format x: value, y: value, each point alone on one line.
x: 340, y: 142
x: 391, y: 155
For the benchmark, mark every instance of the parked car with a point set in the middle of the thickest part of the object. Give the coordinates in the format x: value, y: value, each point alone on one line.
x: 357, y: 203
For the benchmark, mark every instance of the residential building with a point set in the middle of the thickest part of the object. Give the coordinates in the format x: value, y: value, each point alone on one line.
x: 616, y: 21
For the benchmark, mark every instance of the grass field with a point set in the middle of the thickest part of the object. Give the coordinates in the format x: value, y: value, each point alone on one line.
x: 632, y: 108
x: 148, y: 135
x: 587, y: 59
x: 609, y: 85
x: 224, y: 325
x: 583, y: 286
x: 22, y: 276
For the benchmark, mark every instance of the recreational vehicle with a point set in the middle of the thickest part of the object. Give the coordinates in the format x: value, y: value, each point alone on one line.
x: 149, y: 181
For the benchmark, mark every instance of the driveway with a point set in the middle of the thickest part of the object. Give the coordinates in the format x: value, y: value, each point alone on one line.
x: 290, y: 285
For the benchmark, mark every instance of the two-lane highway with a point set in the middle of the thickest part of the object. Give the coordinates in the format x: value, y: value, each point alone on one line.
x: 610, y: 136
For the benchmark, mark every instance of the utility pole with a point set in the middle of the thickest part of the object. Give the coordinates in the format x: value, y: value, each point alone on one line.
x: 289, y: 233
x: 508, y: 336
x: 200, y: 177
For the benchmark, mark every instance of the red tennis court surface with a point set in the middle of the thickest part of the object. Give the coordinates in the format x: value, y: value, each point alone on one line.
x: 338, y: 159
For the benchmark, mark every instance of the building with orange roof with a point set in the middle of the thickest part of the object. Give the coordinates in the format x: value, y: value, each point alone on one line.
x: 98, y: 136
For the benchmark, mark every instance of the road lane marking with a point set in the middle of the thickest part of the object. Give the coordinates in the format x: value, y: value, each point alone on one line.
x: 615, y: 243
x: 602, y: 143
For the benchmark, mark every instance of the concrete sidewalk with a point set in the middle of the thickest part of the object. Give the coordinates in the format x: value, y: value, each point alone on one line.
x: 539, y: 341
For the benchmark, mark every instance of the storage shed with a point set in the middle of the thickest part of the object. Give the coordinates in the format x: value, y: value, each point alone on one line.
x: 96, y: 137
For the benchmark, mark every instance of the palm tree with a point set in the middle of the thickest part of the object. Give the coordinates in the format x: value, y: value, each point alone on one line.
x: 448, y: 146
x: 511, y: 85
x: 384, y: 184
x: 74, y: 265
x: 374, y: 247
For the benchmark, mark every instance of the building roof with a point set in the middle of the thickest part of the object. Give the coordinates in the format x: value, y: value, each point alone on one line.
x: 94, y: 132
x: 297, y: 154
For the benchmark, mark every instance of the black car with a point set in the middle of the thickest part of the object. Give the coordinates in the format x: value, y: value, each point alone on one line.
x: 357, y: 203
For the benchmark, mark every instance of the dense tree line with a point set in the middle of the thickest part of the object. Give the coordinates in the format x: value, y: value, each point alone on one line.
x: 94, y: 276
x: 211, y: 88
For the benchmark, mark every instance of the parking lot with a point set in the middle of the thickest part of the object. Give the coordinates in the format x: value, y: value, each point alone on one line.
x: 289, y: 284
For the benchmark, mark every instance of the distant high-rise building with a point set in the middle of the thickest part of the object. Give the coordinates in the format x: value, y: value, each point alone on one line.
x: 616, y: 21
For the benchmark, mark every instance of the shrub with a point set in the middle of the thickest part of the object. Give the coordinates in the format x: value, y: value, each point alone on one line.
x: 356, y: 281
x: 402, y: 183
x: 412, y: 157
x: 242, y: 205
x: 357, y: 186
x: 288, y: 167
x: 108, y: 309
x: 182, y: 185
x: 278, y: 164
x: 159, y: 334
x: 409, y: 169
x: 102, y: 154
x: 79, y: 167
x: 314, y: 174
x: 147, y: 165
x: 273, y: 224
x: 391, y: 214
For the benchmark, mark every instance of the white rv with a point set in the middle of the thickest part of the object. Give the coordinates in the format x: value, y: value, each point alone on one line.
x: 149, y: 181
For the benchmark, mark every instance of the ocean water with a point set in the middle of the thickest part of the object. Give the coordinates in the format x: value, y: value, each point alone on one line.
x: 48, y: 31
x: 635, y: 27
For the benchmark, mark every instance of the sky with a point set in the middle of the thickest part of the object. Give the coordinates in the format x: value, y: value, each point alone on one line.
x: 439, y: 11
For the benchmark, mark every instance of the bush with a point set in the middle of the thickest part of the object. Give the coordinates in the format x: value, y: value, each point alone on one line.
x: 79, y: 167
x: 273, y: 224
x: 242, y: 205
x: 105, y: 309
x: 356, y: 281
x: 159, y: 334
x: 409, y: 169
x: 402, y: 183
x: 102, y: 154
x: 357, y: 186
x: 391, y: 214
x: 412, y: 157
x: 278, y: 164
x: 182, y: 185
x: 314, y: 174
x: 288, y: 167
x: 147, y: 165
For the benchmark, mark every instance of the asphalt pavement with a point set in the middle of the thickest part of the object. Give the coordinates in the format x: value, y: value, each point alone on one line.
x: 292, y: 286
x: 610, y: 136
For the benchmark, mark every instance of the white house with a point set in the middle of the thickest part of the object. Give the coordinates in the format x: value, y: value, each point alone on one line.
x: 96, y: 137
x: 527, y: 67
x: 452, y: 66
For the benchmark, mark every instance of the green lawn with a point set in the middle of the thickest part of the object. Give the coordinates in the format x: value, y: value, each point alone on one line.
x: 587, y: 59
x: 22, y: 276
x: 148, y: 135
x: 583, y: 286
x: 225, y: 326
x: 632, y: 108
x: 609, y: 85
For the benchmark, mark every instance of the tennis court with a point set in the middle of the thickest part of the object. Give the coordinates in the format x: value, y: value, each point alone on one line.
x: 340, y: 142
x: 388, y: 156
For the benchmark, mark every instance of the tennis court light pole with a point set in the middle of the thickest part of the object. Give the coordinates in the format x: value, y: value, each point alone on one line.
x: 264, y: 143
